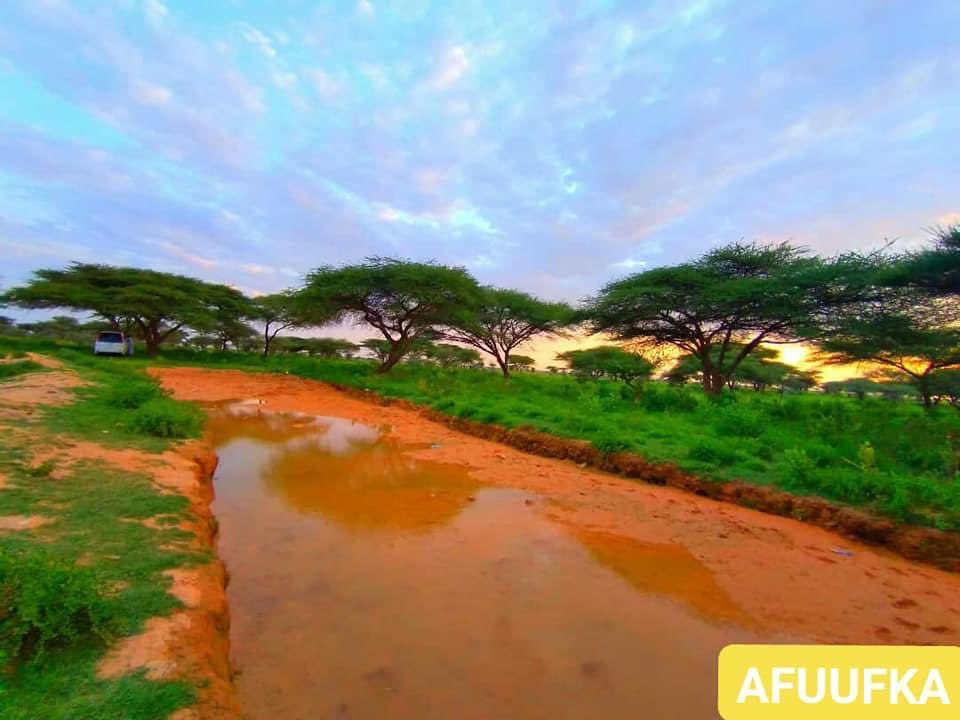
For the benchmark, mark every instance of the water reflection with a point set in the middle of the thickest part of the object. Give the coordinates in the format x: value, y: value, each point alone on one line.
x: 367, y: 584
x: 664, y: 569
x: 343, y: 470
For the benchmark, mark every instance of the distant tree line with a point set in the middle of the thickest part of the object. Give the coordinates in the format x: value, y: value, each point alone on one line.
x: 719, y: 315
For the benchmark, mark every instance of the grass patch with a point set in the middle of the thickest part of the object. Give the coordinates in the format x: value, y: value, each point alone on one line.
x: 11, y: 370
x: 123, y: 407
x: 94, y: 572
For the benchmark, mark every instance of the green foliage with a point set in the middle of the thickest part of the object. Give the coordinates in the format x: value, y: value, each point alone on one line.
x: 661, y: 398
x: 95, y: 570
x: 405, y: 301
x: 712, y: 452
x: 608, y: 361
x: 156, y: 304
x: 46, y: 601
x: 497, y: 321
x: 123, y: 407
x: 132, y: 394
x: 723, y: 304
x: 165, y: 418
x: 796, y: 468
x: 21, y: 367
x: 521, y: 362
x: 446, y: 355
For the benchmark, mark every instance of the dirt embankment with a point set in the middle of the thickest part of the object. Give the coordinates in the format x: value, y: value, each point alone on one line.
x: 191, y: 644
x: 795, y: 580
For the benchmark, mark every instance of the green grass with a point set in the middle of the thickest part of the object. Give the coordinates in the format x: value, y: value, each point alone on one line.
x: 94, y: 572
x: 808, y: 444
x: 123, y: 407
x: 11, y: 370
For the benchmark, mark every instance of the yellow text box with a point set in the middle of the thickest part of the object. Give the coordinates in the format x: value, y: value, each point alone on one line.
x: 839, y: 682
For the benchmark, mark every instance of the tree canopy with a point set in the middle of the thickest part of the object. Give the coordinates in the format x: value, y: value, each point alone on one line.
x: 282, y: 311
x: 404, y: 301
x: 156, y: 304
x: 903, y: 342
x: 608, y: 361
x: 501, y: 320
x: 447, y: 355
x: 721, y: 307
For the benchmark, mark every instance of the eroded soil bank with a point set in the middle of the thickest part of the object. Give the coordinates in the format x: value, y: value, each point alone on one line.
x: 792, y: 580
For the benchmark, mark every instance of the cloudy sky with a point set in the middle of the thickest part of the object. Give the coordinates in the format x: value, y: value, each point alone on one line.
x: 549, y: 145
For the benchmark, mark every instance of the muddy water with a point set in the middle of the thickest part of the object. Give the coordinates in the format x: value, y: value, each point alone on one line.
x: 369, y: 584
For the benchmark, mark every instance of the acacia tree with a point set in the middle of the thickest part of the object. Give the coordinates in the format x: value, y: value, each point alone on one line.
x: 522, y: 362
x: 608, y: 361
x: 447, y: 356
x: 156, y: 304
x: 760, y: 369
x: 278, y: 312
x: 379, y: 348
x: 404, y: 301
x: 907, y: 319
x: 501, y: 320
x: 909, y: 343
x: 721, y: 307
x: 325, y: 347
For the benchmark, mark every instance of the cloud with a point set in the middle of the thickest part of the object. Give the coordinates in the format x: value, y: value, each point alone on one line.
x: 152, y: 94
x: 365, y: 7
x: 629, y: 264
x: 546, y: 145
x: 453, y: 66
x: 156, y: 13
x: 258, y: 39
x: 324, y: 85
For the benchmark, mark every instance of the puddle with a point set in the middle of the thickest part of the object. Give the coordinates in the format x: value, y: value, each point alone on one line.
x: 366, y: 583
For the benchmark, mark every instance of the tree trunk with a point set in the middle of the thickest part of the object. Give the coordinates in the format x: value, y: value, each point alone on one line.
x: 152, y: 342
x: 504, y: 363
x: 397, y: 351
x: 713, y: 382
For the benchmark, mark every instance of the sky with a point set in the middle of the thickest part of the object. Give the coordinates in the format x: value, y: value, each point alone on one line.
x: 549, y: 145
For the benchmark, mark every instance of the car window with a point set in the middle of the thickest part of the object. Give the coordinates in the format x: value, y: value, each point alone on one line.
x: 110, y: 337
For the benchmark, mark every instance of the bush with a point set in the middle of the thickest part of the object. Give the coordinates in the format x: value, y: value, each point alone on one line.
x: 46, y: 601
x: 739, y: 421
x: 165, y: 418
x: 132, y: 395
x: 659, y: 397
x: 713, y: 453
x: 797, y: 468
x: 610, y: 443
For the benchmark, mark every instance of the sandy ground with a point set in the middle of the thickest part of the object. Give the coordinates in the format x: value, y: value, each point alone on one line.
x: 191, y: 643
x: 794, y: 580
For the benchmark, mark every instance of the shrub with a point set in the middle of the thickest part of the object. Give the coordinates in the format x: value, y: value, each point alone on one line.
x: 46, y: 601
x: 610, y: 443
x: 739, y: 421
x: 659, y: 397
x: 132, y: 395
x: 712, y: 452
x: 165, y: 418
x: 796, y: 467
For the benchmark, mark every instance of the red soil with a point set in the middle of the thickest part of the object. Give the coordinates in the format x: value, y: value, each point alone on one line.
x: 792, y: 579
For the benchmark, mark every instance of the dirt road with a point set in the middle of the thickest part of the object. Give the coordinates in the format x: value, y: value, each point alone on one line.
x: 792, y: 580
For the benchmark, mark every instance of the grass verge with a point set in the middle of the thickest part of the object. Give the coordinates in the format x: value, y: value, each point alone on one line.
x: 91, y: 571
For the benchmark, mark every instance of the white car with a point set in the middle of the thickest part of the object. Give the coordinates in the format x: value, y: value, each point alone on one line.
x: 110, y: 343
